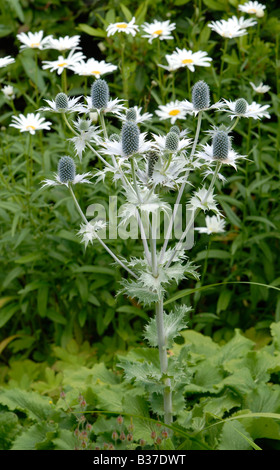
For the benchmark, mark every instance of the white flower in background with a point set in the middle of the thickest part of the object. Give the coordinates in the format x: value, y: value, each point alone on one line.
x: 158, y: 29
x: 172, y: 64
x: 113, y: 106
x: 87, y: 133
x: 187, y: 58
x: 123, y: 27
x: 173, y: 111
x: 253, y: 8
x: 71, y: 105
x: 30, y: 123
x: 33, y: 40
x: 88, y: 231
x: 214, y: 224
x: 4, y: 61
x: 94, y: 68
x: 231, y: 28
x: 61, y: 63
x: 261, y: 88
x: 139, y: 117
x: 8, y: 91
x: 64, y: 43
x: 253, y: 110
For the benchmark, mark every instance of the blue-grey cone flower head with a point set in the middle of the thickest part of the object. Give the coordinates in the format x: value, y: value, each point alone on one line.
x: 241, y: 106
x: 152, y: 159
x: 200, y: 96
x: 66, y: 169
x: 100, y: 94
x: 61, y: 101
x: 114, y: 137
x: 130, y: 138
x: 175, y: 129
x: 172, y: 141
x: 221, y: 145
x: 131, y: 114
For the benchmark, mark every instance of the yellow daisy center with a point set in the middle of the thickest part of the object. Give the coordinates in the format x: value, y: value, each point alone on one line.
x: 122, y: 25
x: 252, y: 10
x: 62, y: 64
x: 187, y: 61
x: 95, y: 72
x: 158, y: 32
x: 35, y: 44
x: 30, y: 127
x: 174, y: 112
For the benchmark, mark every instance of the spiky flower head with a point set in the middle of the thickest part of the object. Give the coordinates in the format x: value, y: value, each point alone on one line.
x: 221, y: 145
x: 175, y: 129
x: 200, y: 95
x: 152, y: 159
x: 84, y: 124
x: 131, y: 114
x: 115, y: 137
x: 61, y: 101
x: 100, y: 94
x: 66, y: 169
x: 130, y: 138
x: 172, y: 141
x: 241, y: 106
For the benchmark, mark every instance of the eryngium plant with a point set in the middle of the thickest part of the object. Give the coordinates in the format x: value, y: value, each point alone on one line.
x: 146, y: 170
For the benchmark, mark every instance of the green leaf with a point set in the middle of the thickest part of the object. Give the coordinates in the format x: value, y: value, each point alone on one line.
x: 7, y: 312
x: 32, y: 404
x: 97, y: 32
x: 128, y: 15
x: 173, y: 323
x: 238, y: 440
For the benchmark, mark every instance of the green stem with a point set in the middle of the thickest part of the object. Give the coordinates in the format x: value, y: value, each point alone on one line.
x: 222, y: 66
x: 64, y: 80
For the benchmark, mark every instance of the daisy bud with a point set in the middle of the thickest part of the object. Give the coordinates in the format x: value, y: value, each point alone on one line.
x: 130, y: 138
x: 172, y: 141
x: 175, y: 129
x: 240, y: 106
x: 61, y: 101
x: 115, y: 137
x: 200, y: 95
x: 221, y: 145
x: 153, y: 158
x: 131, y: 114
x: 66, y: 169
x: 99, y: 94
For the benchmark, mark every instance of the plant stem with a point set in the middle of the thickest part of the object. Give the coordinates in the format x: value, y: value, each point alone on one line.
x: 97, y: 237
x: 167, y: 393
x: 222, y: 66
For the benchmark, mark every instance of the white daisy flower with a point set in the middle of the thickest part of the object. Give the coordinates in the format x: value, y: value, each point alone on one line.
x: 61, y: 63
x: 87, y: 133
x: 253, y: 8
x: 30, y: 123
x: 123, y: 27
x: 172, y: 63
x: 113, y: 106
x: 253, y: 110
x: 139, y: 117
x: 189, y: 59
x: 261, y: 88
x: 33, y: 40
x: 77, y: 179
x: 231, y: 28
x: 8, y: 91
x: 214, y: 224
x: 207, y: 154
x: 64, y: 43
x: 173, y: 111
x: 94, y: 68
x: 4, y: 61
x: 158, y: 29
x: 72, y: 106
x: 88, y: 231
x: 202, y: 200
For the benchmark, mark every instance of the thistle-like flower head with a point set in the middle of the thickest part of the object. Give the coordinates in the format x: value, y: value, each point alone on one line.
x: 66, y: 169
x: 221, y: 145
x: 61, y: 101
x: 131, y: 114
x: 241, y: 106
x: 200, y: 95
x: 100, y: 94
x: 172, y: 141
x: 130, y: 138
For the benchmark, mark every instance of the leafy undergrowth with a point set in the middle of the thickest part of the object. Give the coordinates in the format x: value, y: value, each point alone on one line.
x: 231, y: 398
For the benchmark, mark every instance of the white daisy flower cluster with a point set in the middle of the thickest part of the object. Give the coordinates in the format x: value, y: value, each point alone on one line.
x: 186, y: 58
x: 233, y: 27
x: 156, y: 30
x: 253, y: 8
